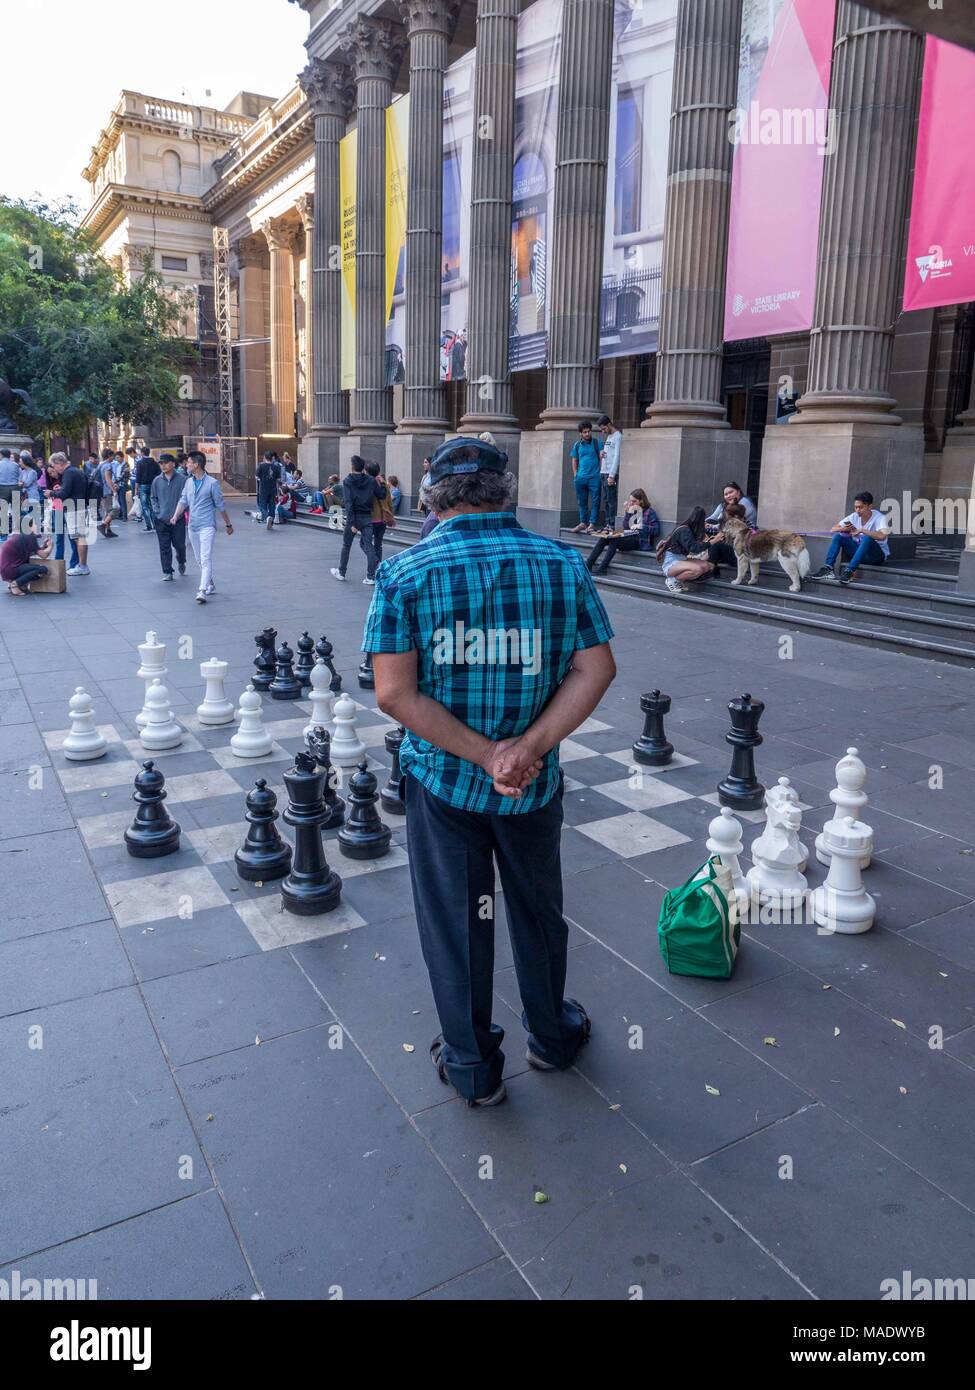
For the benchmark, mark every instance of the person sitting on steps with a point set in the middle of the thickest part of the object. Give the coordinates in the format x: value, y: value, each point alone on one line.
x: 680, y: 554
x: 640, y: 531
x: 719, y: 551
x: 860, y: 537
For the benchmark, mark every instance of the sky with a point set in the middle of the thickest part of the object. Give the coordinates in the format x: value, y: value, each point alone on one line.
x: 66, y: 61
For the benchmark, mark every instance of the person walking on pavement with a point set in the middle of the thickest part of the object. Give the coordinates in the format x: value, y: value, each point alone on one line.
x: 202, y: 498
x: 109, y: 504
x: 121, y: 477
x: 146, y: 469
x: 481, y: 775
x: 267, y: 488
x: 72, y: 494
x: 165, y: 494
x: 359, y: 491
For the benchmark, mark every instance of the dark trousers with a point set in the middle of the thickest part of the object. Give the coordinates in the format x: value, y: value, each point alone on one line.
x: 601, y: 556
x: 721, y: 553
x: 378, y: 531
x: 171, y: 536
x: 59, y: 545
x: 452, y: 856
x: 607, y: 501
x: 122, y: 502
x: 145, y: 497
x: 365, y: 540
x: 26, y: 573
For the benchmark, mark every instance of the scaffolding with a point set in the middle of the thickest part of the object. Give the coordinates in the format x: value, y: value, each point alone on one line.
x: 223, y: 308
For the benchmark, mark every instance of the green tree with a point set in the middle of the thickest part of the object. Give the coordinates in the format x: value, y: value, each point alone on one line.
x: 84, y: 344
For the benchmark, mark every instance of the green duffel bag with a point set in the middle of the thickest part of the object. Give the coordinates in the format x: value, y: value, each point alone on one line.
x: 697, y: 931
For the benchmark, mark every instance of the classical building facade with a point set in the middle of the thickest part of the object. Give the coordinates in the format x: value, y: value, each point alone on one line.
x: 576, y: 227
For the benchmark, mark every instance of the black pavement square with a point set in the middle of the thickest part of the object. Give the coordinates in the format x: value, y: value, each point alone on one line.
x: 173, y: 944
x: 39, y: 899
x: 498, y: 1281
x: 56, y: 966
x: 29, y: 806
x: 951, y: 935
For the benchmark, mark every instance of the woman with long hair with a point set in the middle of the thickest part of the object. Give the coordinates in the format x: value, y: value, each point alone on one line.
x: 675, y: 553
x: 640, y: 530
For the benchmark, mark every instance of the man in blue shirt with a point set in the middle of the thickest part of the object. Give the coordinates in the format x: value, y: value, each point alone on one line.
x: 202, y: 498
x: 585, y: 474
x: 490, y: 645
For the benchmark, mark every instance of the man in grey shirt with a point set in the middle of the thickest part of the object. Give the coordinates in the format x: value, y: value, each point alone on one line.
x: 202, y: 497
x: 165, y: 492
x: 9, y: 486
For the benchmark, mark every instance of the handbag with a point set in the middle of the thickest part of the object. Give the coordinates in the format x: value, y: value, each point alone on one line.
x: 135, y: 510
x: 698, y: 929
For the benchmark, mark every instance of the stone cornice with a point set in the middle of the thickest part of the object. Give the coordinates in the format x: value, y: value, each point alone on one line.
x: 116, y: 199
x: 281, y: 144
x: 373, y: 47
x: 329, y: 87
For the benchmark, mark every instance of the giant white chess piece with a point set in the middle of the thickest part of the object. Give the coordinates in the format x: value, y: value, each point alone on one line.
x: 347, y: 748
x: 84, y: 742
x: 322, y: 700
x: 162, y: 731
x: 848, y: 797
x: 216, y: 708
x: 842, y: 904
x: 153, y: 667
x: 724, y: 840
x: 777, y: 853
x: 251, y: 740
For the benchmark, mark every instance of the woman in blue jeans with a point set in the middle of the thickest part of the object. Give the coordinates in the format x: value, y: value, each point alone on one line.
x: 861, y: 538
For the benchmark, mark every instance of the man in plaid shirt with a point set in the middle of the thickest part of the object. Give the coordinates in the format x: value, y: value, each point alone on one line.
x: 490, y: 645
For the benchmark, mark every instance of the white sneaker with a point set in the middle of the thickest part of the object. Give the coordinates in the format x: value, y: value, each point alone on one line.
x: 84, y: 570
x: 675, y: 586
x: 370, y: 582
x: 211, y: 588
x: 74, y: 570
x: 201, y: 597
x: 337, y: 574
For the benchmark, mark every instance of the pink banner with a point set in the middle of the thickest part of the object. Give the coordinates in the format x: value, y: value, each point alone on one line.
x: 782, y: 137
x: 941, y: 243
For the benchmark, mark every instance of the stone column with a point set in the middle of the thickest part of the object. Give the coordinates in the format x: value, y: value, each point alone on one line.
x: 845, y: 436
x: 578, y: 230
x: 329, y: 89
x: 374, y: 48
x: 252, y: 269
x: 686, y: 449
x: 306, y: 211
x: 280, y: 234
x: 489, y: 314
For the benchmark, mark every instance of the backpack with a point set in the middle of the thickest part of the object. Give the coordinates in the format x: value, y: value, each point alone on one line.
x: 698, y: 929
x: 93, y: 480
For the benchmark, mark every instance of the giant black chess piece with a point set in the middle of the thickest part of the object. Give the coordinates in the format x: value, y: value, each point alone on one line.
x: 311, y: 887
x: 264, y: 661
x: 319, y: 745
x: 652, y: 747
x: 306, y: 658
x: 741, y: 789
x: 364, y: 836
x: 391, y: 797
x: 153, y: 832
x: 323, y: 649
x: 264, y: 855
x: 286, y: 685
x: 367, y: 680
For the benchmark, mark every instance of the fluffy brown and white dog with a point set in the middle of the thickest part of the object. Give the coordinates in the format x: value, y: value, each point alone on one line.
x: 752, y: 547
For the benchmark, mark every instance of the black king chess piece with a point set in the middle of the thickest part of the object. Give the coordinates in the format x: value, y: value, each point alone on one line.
x: 319, y: 744
x: 306, y: 659
x: 153, y: 832
x: 264, y: 855
x: 286, y: 685
x: 311, y: 886
x: 741, y: 789
x: 652, y: 747
x: 323, y: 649
x: 364, y: 836
x: 367, y: 680
x: 391, y: 797
x: 264, y: 661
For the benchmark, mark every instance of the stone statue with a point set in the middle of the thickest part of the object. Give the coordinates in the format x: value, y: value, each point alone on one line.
x: 9, y: 398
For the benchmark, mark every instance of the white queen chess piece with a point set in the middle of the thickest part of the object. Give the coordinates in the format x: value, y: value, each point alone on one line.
x: 251, y: 740
x: 153, y: 667
x: 848, y: 797
x: 724, y: 840
x: 322, y: 701
x: 347, y: 748
x: 778, y: 852
x: 842, y: 904
x: 216, y: 708
x: 162, y: 731
x: 84, y: 742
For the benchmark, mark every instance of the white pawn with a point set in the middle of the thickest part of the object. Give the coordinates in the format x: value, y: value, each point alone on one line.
x: 251, y: 740
x: 153, y: 667
x: 322, y: 700
x: 162, y: 731
x: 216, y: 708
x: 848, y: 797
x: 84, y: 742
x: 778, y: 852
x: 347, y: 748
x: 724, y: 840
x: 842, y: 904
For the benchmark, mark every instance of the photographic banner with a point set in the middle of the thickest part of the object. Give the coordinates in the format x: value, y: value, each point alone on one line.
x: 397, y: 155
x: 347, y: 196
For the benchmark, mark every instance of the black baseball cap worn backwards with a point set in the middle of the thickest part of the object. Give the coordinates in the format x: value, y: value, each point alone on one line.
x: 466, y: 455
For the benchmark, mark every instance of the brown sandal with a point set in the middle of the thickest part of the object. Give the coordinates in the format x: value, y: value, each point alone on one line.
x: 15, y: 589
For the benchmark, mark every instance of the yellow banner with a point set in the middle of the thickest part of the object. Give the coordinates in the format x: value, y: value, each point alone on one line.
x: 397, y: 146
x: 347, y: 167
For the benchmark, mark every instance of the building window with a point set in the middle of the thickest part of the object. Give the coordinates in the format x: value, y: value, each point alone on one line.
x: 172, y: 169
x: 175, y: 263
x: 629, y: 161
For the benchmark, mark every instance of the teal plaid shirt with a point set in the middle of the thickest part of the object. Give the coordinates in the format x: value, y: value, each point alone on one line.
x: 495, y: 613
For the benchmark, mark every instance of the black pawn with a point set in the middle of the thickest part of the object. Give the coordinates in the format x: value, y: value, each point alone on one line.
x: 652, y: 747
x: 264, y: 661
x: 323, y: 649
x: 263, y: 855
x: 367, y: 680
x: 285, y: 685
x: 741, y: 789
x: 153, y: 832
x: 319, y: 744
x: 391, y: 797
x: 311, y: 886
x: 363, y: 836
x: 306, y: 658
